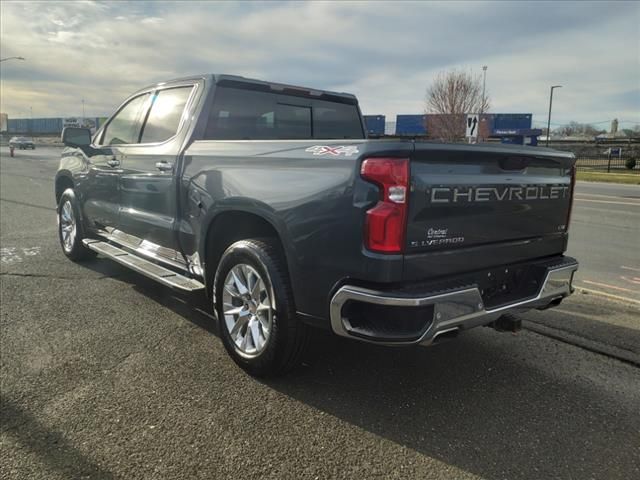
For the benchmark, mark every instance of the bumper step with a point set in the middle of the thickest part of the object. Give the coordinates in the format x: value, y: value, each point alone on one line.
x: 145, y: 267
x: 410, y: 318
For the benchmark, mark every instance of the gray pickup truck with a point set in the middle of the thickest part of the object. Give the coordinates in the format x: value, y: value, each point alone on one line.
x: 271, y: 199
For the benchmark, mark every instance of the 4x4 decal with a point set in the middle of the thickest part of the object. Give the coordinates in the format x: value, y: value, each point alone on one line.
x: 346, y: 150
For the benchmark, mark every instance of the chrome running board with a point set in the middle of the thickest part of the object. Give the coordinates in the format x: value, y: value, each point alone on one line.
x: 145, y: 267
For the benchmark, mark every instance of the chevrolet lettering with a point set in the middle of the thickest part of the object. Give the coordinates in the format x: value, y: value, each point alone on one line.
x: 470, y: 194
x: 271, y: 200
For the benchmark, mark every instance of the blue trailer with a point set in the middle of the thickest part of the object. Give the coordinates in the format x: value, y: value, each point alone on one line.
x: 512, y: 121
x: 411, y: 125
x: 375, y: 125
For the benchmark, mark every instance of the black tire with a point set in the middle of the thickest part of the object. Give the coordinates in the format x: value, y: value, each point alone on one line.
x: 72, y: 245
x: 287, y: 335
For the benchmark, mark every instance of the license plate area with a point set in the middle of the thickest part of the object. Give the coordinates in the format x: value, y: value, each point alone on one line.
x: 501, y: 286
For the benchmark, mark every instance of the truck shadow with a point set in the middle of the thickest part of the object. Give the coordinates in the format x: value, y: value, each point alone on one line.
x: 476, y: 403
x: 483, y: 403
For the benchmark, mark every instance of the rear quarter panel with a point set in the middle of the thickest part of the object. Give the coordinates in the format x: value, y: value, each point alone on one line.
x: 314, y: 201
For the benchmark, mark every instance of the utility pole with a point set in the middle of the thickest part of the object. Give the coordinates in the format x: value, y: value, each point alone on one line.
x: 30, y: 120
x: 83, y: 110
x: 484, y: 83
x: 549, y: 119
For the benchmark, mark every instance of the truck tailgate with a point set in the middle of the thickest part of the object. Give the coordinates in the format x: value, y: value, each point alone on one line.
x: 486, y: 201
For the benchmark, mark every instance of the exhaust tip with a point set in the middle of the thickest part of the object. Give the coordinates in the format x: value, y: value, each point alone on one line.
x: 445, y: 335
x: 553, y: 303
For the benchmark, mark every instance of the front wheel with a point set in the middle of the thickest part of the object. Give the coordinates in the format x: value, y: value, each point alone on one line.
x: 254, y: 304
x: 70, y: 231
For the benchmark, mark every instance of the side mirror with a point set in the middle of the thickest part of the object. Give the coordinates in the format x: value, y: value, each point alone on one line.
x: 76, y: 137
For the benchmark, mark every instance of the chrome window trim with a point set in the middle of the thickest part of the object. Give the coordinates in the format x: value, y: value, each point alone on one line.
x: 153, y: 91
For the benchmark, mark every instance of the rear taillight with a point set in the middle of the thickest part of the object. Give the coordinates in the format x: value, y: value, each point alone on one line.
x: 571, y: 192
x: 385, y: 224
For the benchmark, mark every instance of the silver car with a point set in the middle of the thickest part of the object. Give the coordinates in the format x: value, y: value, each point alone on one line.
x: 22, y: 143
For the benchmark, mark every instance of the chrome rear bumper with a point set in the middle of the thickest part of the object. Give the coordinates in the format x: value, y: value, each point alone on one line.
x: 452, y: 310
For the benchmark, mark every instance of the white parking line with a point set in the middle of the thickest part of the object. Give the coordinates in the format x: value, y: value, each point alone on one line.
x: 15, y: 255
x: 605, y: 196
x: 630, y: 268
x: 607, y: 201
x: 609, y: 295
x: 606, y: 285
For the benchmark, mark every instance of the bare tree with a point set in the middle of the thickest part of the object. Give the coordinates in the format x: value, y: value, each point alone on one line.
x: 452, y: 95
x: 574, y: 128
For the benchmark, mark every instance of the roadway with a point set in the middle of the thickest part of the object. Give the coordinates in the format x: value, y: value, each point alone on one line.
x: 605, y: 236
x: 105, y: 374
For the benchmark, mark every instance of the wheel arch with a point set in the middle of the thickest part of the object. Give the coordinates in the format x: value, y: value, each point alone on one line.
x: 230, y: 226
x: 63, y: 181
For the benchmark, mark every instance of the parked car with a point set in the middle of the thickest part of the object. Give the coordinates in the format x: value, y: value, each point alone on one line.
x: 22, y: 143
x: 271, y: 199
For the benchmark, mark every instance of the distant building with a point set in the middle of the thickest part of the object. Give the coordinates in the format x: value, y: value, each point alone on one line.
x: 614, y: 134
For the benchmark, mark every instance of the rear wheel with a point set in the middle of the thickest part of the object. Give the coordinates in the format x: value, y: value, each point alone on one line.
x: 70, y: 231
x: 254, y: 305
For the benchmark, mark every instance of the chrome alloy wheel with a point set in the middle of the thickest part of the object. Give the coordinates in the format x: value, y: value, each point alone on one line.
x: 248, y: 309
x: 68, y: 227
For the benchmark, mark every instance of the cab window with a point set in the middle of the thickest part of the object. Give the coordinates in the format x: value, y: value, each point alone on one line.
x: 124, y: 127
x: 165, y: 115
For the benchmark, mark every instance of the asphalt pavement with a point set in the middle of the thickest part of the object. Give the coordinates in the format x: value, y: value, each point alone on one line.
x: 105, y: 374
x: 605, y: 236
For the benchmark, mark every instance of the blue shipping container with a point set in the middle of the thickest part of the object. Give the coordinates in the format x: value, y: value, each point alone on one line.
x: 18, y: 125
x: 375, y: 124
x: 512, y: 121
x: 46, y: 125
x: 42, y: 126
x: 411, y: 125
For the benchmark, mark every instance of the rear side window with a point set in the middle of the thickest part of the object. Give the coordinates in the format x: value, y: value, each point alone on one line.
x: 124, y: 128
x: 165, y: 114
x: 335, y: 120
x: 293, y: 121
x: 239, y: 114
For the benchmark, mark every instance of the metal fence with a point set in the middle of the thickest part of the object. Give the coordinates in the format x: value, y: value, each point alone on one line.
x: 606, y: 163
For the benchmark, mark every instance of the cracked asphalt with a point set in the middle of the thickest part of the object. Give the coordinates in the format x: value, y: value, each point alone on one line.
x: 105, y: 374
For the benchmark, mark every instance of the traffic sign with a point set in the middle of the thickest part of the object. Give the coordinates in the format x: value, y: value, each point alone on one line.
x: 473, y: 121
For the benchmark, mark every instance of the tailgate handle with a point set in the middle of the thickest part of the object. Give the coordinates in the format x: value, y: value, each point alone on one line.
x: 514, y: 163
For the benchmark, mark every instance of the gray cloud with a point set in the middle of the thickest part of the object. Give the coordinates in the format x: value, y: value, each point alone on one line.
x: 386, y: 53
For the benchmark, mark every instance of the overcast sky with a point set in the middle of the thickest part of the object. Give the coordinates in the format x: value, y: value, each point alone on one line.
x: 385, y: 53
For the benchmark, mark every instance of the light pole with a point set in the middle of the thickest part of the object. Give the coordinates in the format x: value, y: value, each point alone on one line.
x: 549, y: 119
x: 83, y: 109
x: 484, y: 83
x: 12, y: 58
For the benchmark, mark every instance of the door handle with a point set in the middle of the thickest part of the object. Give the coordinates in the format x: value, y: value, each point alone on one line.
x: 113, y: 162
x: 164, y: 166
